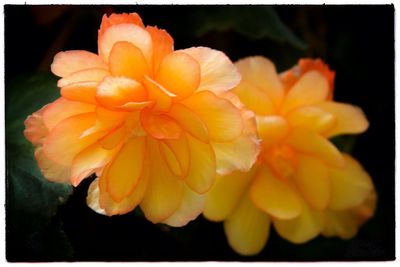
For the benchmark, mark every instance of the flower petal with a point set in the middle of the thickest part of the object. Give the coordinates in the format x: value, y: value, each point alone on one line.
x: 189, y: 121
x: 312, y: 118
x: 93, y: 197
x: 62, y: 109
x: 126, y: 169
x: 201, y: 175
x: 82, y: 92
x: 163, y: 44
x: 275, y: 196
x: 247, y: 229
x: 164, y: 192
x: 191, y: 207
x: 86, y: 75
x: 350, y: 185
x: 68, y: 62
x: 114, y: 138
x: 88, y: 161
x: 179, y: 73
x: 309, y: 142
x: 218, y: 74
x: 176, y: 154
x: 114, y: 19
x: 313, y: 181
x: 35, y: 128
x: 301, y: 229
x: 158, y: 94
x: 226, y: 193
x: 51, y: 170
x: 125, y: 32
x: 272, y: 129
x: 160, y: 126
x: 260, y: 73
x: 222, y: 118
x: 349, y: 119
x: 64, y: 142
x: 114, y: 92
x: 127, y: 60
x: 312, y: 88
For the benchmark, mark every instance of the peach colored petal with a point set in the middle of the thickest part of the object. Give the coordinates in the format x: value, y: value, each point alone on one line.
x: 260, y: 72
x: 86, y: 75
x: 165, y: 191
x: 35, y: 128
x: 255, y: 98
x: 93, y: 197
x: 349, y: 119
x: 51, y: 170
x: 226, y: 193
x: 114, y: 138
x: 189, y: 121
x: 311, y: 143
x: 247, y: 229
x: 275, y: 196
x: 272, y: 129
x: 68, y: 62
x: 302, y: 228
x: 311, y: 89
x: 127, y: 60
x: 82, y: 92
x: 191, y: 207
x: 115, y: 19
x: 223, y: 120
x: 312, y: 118
x: 62, y: 109
x: 88, y: 161
x: 114, y: 92
x: 218, y: 74
x: 160, y: 126
x: 163, y: 44
x: 179, y: 73
x: 64, y: 142
x: 350, y: 185
x: 158, y: 94
x: 126, y: 169
x: 125, y: 32
x: 313, y: 181
x: 176, y: 154
x: 201, y: 175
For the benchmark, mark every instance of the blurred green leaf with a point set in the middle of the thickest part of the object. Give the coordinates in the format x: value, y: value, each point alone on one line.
x: 345, y: 143
x: 32, y: 201
x: 254, y: 23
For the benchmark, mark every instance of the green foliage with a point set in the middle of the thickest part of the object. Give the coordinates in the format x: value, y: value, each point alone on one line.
x: 32, y: 201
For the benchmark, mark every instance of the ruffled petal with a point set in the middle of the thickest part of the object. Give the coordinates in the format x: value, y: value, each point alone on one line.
x: 218, y: 74
x: 312, y: 118
x: 164, y: 192
x: 350, y: 185
x: 275, y: 196
x: 302, y: 228
x: 309, y: 142
x: 163, y: 44
x: 127, y: 60
x: 126, y: 169
x: 226, y: 193
x: 51, y: 170
x: 114, y: 19
x: 68, y: 62
x: 201, y: 175
x: 62, y: 109
x: 179, y: 73
x: 312, y: 88
x: 114, y: 138
x: 247, y: 229
x: 260, y: 73
x: 313, y: 181
x: 82, y: 92
x: 35, y: 128
x: 272, y: 129
x: 64, y: 142
x: 191, y: 206
x: 223, y: 120
x: 160, y: 126
x: 131, y: 33
x: 158, y: 94
x: 349, y: 119
x: 86, y: 75
x: 176, y: 154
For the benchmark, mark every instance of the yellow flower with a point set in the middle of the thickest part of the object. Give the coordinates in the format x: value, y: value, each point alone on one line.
x: 301, y: 183
x: 154, y: 124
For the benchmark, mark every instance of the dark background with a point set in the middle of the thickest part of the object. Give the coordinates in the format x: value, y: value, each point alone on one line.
x: 44, y: 224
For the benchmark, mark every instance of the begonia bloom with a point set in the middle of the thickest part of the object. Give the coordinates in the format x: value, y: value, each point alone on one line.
x: 301, y: 183
x: 155, y: 124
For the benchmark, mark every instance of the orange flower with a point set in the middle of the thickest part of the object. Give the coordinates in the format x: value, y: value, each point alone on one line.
x: 301, y: 182
x: 154, y: 124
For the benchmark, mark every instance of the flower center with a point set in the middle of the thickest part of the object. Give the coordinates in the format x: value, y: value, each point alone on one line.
x: 282, y: 160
